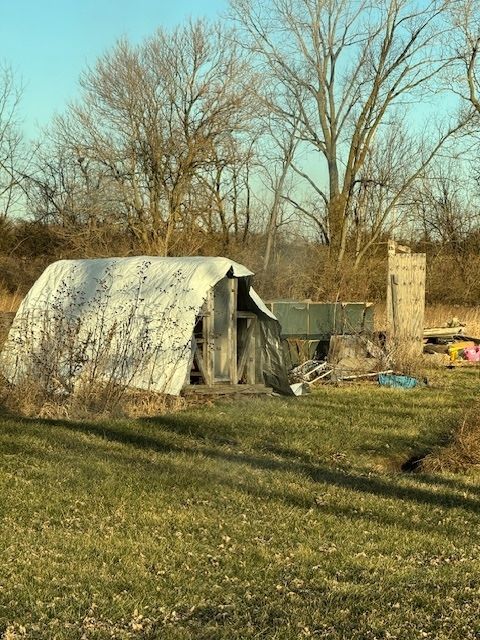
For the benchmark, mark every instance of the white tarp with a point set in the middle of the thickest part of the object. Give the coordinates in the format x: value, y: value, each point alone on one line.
x: 128, y: 319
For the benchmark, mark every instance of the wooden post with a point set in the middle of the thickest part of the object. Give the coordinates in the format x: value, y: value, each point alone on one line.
x: 405, y: 300
x: 232, y: 330
x: 209, y: 339
x: 258, y: 355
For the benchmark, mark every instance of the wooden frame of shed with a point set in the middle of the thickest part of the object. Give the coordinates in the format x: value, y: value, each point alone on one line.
x: 226, y: 351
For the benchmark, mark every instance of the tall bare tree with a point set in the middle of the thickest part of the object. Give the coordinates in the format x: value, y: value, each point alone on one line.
x: 152, y: 120
x: 447, y: 207
x: 13, y: 156
x: 465, y: 17
x: 79, y: 204
x: 277, y: 170
x: 225, y: 187
x: 346, y: 65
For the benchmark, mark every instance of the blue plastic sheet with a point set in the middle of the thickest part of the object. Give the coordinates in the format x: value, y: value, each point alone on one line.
x: 392, y: 380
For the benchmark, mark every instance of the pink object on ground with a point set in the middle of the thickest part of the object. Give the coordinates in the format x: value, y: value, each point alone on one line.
x: 472, y: 354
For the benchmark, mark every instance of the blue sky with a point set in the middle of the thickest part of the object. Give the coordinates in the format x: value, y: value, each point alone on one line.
x: 48, y: 43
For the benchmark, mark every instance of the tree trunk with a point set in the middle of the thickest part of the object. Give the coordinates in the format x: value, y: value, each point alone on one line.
x: 337, y: 226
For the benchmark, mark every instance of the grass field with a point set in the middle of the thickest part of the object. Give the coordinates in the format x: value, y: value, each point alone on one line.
x: 254, y: 518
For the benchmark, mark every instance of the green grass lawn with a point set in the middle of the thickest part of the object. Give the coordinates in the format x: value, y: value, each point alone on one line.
x: 253, y: 518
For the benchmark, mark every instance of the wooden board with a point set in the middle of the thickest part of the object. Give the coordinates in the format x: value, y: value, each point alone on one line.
x: 225, y: 330
x: 226, y: 389
x: 232, y: 329
x: 209, y: 338
x: 442, y: 332
x: 406, y: 302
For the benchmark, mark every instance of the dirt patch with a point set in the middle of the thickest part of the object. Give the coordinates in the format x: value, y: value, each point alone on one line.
x: 414, y: 463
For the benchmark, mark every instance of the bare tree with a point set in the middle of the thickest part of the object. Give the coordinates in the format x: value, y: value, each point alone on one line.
x: 78, y: 203
x: 152, y: 120
x: 382, y: 194
x: 465, y: 18
x: 277, y: 169
x: 13, y: 156
x: 446, y: 215
x: 447, y: 206
x: 345, y: 66
x: 225, y: 189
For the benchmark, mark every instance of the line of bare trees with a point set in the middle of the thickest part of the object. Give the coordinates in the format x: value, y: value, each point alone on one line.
x: 332, y: 122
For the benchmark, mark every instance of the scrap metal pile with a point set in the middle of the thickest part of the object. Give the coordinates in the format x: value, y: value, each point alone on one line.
x: 350, y: 357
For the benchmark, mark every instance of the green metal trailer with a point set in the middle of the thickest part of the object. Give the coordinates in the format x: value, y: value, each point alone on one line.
x: 308, y: 325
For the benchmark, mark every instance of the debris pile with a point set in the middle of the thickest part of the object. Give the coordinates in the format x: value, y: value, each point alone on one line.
x: 350, y: 357
x: 450, y: 345
x: 363, y: 356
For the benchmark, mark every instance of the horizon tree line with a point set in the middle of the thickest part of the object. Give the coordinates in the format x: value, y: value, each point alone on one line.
x: 335, y: 122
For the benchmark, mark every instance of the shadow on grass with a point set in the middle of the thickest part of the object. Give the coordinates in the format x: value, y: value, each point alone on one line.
x: 270, y: 458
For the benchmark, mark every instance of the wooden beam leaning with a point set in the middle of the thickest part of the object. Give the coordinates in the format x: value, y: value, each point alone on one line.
x: 246, y: 352
x: 394, y: 299
x: 199, y: 360
x: 251, y: 373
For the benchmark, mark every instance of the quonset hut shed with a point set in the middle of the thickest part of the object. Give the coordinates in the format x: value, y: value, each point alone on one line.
x: 151, y: 323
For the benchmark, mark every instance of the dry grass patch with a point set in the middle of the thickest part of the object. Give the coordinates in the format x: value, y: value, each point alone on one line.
x: 439, y: 315
x: 461, y: 452
x: 10, y: 301
x: 29, y: 399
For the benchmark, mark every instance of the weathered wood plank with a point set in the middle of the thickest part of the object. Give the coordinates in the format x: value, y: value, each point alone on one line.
x: 209, y: 338
x: 200, y: 364
x: 251, y: 373
x: 232, y: 330
x: 442, y: 332
x: 227, y: 389
x: 406, y: 301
